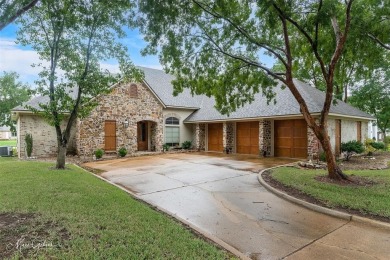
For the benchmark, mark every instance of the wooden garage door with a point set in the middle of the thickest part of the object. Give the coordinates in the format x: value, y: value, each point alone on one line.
x: 110, y: 135
x: 247, y: 137
x: 291, y: 138
x: 215, y: 137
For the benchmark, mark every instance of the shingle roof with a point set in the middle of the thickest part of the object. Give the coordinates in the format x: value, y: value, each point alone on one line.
x: 35, y: 101
x: 160, y: 83
x: 286, y: 105
x: 5, y: 129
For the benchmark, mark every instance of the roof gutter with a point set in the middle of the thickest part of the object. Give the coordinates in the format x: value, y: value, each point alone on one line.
x: 179, y: 107
x: 278, y: 117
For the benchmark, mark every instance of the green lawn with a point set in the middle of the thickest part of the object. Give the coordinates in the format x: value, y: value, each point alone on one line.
x: 8, y: 142
x: 374, y: 200
x: 86, y: 218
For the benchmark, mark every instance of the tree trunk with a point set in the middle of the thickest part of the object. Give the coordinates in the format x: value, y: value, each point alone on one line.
x: 61, y: 155
x: 334, y: 171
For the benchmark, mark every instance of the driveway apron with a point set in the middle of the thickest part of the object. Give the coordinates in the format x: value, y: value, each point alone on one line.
x: 222, y: 196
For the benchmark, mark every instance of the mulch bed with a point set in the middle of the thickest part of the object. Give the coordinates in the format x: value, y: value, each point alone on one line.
x: 377, y: 162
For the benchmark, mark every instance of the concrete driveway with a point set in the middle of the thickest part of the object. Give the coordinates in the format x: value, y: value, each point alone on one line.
x: 221, y: 195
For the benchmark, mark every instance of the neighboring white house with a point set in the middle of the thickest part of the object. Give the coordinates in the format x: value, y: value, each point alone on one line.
x: 373, y: 131
x: 6, y: 134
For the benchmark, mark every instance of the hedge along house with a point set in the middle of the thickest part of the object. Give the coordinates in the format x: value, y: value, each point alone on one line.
x: 142, y: 116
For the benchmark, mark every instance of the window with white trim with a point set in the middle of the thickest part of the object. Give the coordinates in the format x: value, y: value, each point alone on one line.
x: 172, y: 131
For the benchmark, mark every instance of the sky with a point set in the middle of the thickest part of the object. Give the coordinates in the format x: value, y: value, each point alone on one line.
x: 18, y: 58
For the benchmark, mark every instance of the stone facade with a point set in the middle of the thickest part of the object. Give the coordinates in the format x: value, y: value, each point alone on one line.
x: 228, y: 136
x: 199, y: 138
x: 313, y: 144
x: 265, y: 137
x: 44, y: 136
x: 119, y: 106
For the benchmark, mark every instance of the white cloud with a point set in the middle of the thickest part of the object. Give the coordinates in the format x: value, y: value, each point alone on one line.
x: 112, y: 68
x: 13, y: 58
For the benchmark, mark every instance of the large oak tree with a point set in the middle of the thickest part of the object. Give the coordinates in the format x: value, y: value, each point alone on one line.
x: 215, y: 47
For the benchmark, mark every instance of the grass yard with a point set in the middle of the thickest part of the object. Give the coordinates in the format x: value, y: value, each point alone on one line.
x: 72, y: 215
x: 8, y: 142
x: 373, y: 199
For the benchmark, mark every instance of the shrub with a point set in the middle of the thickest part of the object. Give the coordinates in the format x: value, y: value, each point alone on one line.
x: 99, y: 153
x: 14, y: 151
x: 29, y: 144
x: 387, y: 140
x: 186, y: 145
x: 166, y: 147
x: 372, y: 146
x: 378, y: 145
x: 322, y: 157
x: 369, y: 149
x: 351, y: 147
x: 122, y: 152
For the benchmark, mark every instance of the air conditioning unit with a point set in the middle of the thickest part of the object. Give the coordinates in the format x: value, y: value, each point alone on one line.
x: 6, y: 151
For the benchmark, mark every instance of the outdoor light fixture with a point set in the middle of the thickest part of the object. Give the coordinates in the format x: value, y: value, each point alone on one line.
x: 126, y: 123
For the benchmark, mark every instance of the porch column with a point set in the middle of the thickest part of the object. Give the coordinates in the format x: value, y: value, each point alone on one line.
x: 199, y: 137
x: 228, y: 137
x: 313, y: 145
x: 265, y: 137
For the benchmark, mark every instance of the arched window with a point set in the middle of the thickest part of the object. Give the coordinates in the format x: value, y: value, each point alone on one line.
x: 172, y: 131
x: 172, y: 121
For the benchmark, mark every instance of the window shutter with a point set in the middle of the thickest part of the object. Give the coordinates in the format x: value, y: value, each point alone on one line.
x: 133, y: 91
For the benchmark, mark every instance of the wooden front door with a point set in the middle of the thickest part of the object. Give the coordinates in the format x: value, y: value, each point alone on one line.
x: 291, y: 138
x: 215, y: 132
x: 142, y: 136
x: 338, y: 137
x: 248, y: 137
x: 110, y: 135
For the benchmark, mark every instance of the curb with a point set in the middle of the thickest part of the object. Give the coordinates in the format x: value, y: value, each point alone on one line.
x: 205, y: 235
x: 320, y: 209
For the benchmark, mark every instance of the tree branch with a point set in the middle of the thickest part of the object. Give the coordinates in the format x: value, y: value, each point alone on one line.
x: 18, y: 13
x: 307, y: 36
x: 245, y: 33
x: 289, y: 78
x: 378, y: 41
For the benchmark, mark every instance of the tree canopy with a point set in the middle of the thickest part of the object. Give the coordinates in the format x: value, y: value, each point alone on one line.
x: 12, y: 93
x: 10, y: 10
x: 74, y: 37
x: 360, y: 56
x: 374, y: 97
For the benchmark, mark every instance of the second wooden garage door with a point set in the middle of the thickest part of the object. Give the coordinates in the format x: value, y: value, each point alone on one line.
x: 291, y: 138
x: 248, y: 137
x: 215, y: 137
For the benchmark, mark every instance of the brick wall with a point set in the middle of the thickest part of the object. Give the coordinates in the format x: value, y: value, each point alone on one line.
x: 44, y: 136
